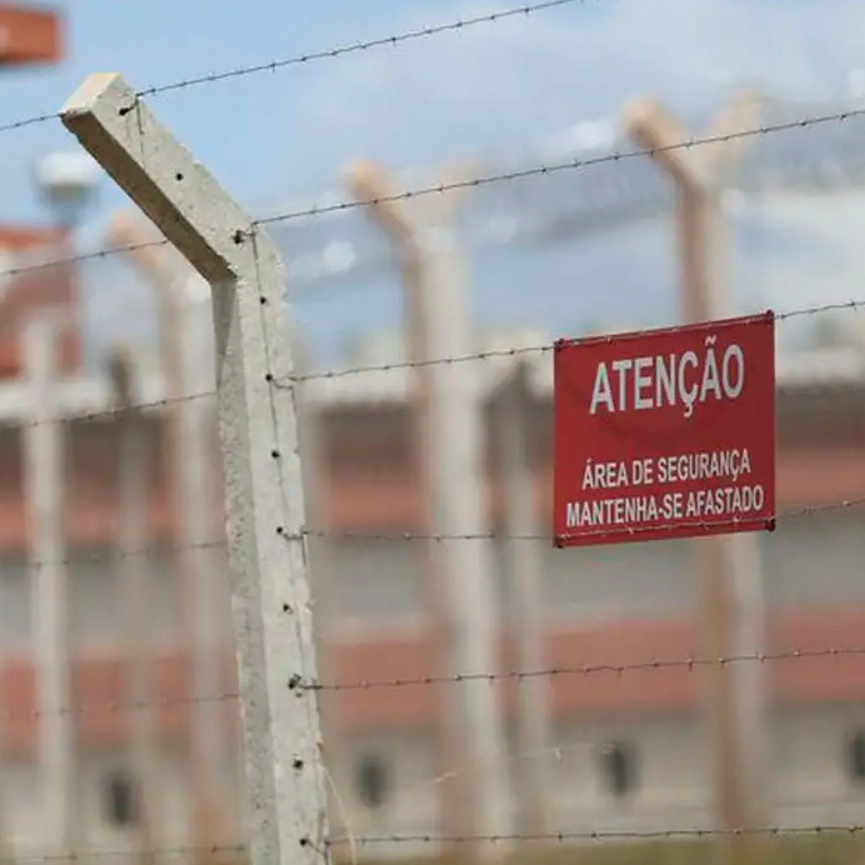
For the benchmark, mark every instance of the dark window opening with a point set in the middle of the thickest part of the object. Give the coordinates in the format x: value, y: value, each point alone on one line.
x: 121, y: 807
x: 619, y: 769
x: 372, y: 781
x: 856, y: 756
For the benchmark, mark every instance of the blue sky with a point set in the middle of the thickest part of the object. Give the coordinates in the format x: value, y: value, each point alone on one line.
x: 161, y: 41
x: 283, y: 128
x: 498, y: 87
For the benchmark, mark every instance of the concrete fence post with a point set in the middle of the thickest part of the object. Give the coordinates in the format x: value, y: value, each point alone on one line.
x: 452, y: 452
x: 262, y: 472
x: 731, y: 615
x: 44, y: 476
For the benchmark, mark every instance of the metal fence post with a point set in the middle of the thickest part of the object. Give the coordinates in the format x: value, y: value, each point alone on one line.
x: 258, y: 432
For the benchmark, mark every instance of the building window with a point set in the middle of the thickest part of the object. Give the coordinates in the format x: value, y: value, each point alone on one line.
x: 372, y: 780
x: 119, y: 800
x: 619, y: 769
x: 856, y: 756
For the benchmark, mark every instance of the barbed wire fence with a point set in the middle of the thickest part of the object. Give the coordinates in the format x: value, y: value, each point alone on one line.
x: 273, y: 582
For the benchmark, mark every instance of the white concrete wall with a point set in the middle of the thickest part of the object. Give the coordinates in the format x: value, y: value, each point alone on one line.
x: 809, y: 560
x: 172, y: 814
x: 811, y: 756
x: 812, y: 560
x: 21, y: 814
x: 815, y: 560
x: 411, y: 804
x: 811, y: 781
x: 95, y: 600
x: 24, y: 818
x: 670, y: 762
x: 376, y: 583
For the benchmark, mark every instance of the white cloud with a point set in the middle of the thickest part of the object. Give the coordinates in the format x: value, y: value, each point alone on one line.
x: 829, y: 268
x: 507, y: 83
x: 505, y: 86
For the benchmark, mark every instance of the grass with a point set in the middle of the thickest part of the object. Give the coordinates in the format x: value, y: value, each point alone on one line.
x: 837, y: 850
x: 819, y: 849
x: 812, y: 850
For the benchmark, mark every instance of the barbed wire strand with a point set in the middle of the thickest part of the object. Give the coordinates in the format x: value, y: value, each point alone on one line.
x: 80, y: 258
x: 117, y: 707
x: 106, y: 413
x: 690, y: 664
x: 517, y: 351
x: 123, y: 853
x: 587, y: 836
x: 290, y: 381
x: 391, y: 41
x: 566, y: 165
x: 709, y: 525
x: 776, y: 832
x: 485, y: 180
x: 113, y: 554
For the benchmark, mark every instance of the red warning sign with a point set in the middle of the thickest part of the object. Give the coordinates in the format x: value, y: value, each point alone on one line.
x: 666, y: 433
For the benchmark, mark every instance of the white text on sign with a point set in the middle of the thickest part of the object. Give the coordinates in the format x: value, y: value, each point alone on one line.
x: 731, y: 499
x: 668, y: 380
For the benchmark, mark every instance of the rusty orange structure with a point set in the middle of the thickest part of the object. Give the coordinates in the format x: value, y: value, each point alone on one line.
x: 30, y: 35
